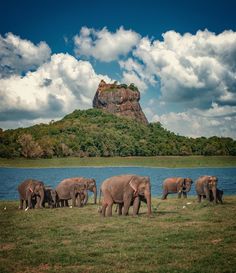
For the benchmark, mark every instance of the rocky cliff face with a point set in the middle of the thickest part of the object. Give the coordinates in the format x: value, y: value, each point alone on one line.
x: 121, y: 100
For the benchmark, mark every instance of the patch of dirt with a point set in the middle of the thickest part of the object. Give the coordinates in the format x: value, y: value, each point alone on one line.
x: 7, y: 246
x: 216, y: 241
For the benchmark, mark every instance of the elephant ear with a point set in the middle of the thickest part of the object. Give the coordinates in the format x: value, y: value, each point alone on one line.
x: 180, y: 183
x: 134, y: 184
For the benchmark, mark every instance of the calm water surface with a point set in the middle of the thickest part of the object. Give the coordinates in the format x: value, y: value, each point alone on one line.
x: 11, y: 177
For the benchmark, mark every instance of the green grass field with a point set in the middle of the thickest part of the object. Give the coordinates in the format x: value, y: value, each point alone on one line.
x: 159, y: 161
x: 179, y: 237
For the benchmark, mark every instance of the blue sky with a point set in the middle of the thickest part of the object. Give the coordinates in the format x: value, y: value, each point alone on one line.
x: 181, y: 54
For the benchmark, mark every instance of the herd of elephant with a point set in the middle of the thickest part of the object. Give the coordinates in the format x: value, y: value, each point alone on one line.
x: 124, y: 190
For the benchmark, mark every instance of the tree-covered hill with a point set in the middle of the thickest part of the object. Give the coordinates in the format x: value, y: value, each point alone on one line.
x: 95, y: 133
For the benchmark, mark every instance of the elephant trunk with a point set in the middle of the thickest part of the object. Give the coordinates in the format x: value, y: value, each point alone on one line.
x: 147, y: 195
x: 85, y: 197
x: 95, y: 194
x: 187, y: 188
x: 41, y: 194
x: 29, y: 197
x: 214, y: 194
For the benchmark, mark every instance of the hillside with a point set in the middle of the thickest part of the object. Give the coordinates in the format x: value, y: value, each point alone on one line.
x: 96, y: 133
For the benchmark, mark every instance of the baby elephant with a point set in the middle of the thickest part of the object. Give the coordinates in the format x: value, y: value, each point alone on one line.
x: 50, y: 197
x: 219, y: 196
x: 178, y: 185
x: 141, y: 197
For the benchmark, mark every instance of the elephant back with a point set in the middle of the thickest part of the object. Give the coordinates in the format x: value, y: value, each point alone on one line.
x: 116, y: 181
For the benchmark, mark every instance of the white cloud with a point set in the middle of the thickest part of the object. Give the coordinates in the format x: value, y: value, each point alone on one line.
x: 192, y: 69
x: 197, y: 81
x: 18, y: 55
x: 104, y: 45
x: 56, y: 88
x: 217, y: 120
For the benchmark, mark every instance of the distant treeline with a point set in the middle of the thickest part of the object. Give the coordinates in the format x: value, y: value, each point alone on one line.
x: 95, y: 133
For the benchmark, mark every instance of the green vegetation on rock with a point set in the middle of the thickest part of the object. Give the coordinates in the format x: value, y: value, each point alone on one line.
x: 94, y: 133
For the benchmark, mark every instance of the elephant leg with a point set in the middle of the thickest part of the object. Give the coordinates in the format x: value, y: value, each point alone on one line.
x: 199, y: 197
x: 36, y: 203
x: 207, y: 193
x: 127, y: 203
x: 136, y: 206
x: 73, y: 201
x: 21, y: 204
x: 109, y: 209
x: 164, y: 195
x: 78, y: 201
x: 185, y: 194
x: 179, y: 194
x: 104, y: 207
x: 107, y: 204
x: 66, y: 203
x: 120, y: 209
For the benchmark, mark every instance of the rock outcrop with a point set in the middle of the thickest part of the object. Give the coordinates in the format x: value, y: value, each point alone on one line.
x: 121, y: 100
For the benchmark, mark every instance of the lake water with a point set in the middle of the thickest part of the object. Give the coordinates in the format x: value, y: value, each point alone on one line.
x: 11, y: 177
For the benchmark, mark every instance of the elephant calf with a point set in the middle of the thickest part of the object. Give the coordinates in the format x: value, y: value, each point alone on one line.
x: 178, y: 185
x: 50, y: 197
x: 32, y: 192
x: 121, y: 205
x: 219, y: 196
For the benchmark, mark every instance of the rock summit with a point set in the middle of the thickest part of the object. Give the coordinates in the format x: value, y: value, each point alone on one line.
x: 121, y: 100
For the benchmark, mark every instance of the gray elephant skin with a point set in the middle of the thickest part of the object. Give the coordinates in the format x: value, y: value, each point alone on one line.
x: 31, y: 189
x: 178, y: 185
x: 205, y: 186
x: 50, y: 197
x: 120, y: 206
x: 74, y: 188
x: 124, y: 189
x: 219, y: 196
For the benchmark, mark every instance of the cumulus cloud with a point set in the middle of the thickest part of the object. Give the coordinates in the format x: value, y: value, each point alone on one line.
x: 192, y: 69
x: 103, y: 44
x: 56, y: 88
x: 193, y: 125
x: 19, y: 56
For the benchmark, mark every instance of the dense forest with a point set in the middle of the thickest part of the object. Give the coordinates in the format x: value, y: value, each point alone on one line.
x: 95, y: 133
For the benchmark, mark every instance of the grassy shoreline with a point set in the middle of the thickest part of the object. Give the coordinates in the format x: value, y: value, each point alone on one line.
x: 159, y: 161
x: 181, y: 236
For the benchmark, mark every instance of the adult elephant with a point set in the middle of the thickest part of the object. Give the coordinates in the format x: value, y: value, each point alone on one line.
x: 178, y: 185
x: 31, y: 189
x: 73, y: 188
x: 205, y: 186
x: 123, y: 189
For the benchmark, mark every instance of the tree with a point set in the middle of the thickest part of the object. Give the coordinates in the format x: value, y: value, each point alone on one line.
x: 29, y: 148
x: 46, y: 143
